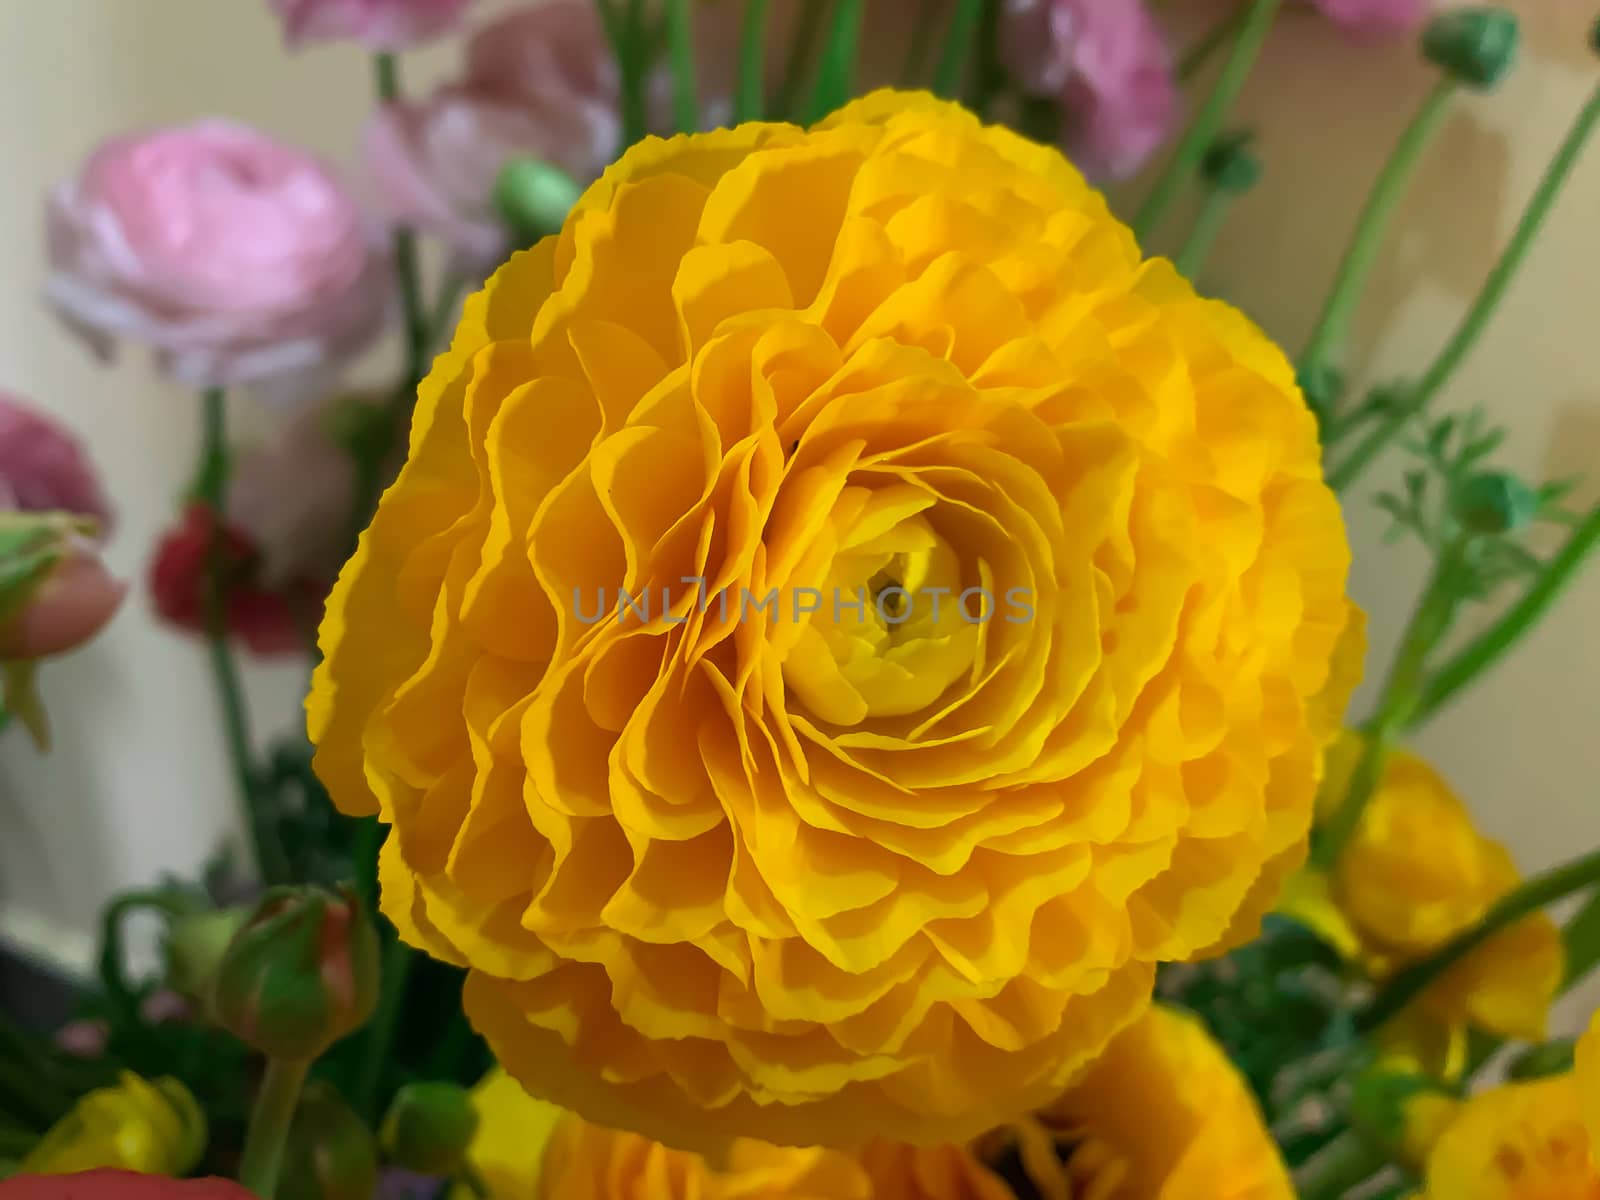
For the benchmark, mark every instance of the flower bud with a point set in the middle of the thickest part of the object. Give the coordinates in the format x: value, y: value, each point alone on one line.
x: 1495, y: 502
x: 1230, y: 165
x: 55, y: 591
x: 136, y: 1125
x: 195, y: 945
x: 330, y: 1154
x: 430, y: 1127
x: 534, y: 198
x: 300, y: 975
x: 1403, y: 1112
x: 1477, y: 45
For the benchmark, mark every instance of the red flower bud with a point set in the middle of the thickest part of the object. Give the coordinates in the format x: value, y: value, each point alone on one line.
x: 118, y: 1185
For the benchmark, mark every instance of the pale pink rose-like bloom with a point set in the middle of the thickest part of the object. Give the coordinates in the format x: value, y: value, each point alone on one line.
x: 1111, y: 68
x: 384, y: 25
x: 540, y: 83
x: 1375, y: 18
x: 44, y: 468
x: 234, y: 257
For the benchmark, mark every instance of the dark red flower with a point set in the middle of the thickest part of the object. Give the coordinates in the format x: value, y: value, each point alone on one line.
x: 118, y: 1185
x: 269, y: 621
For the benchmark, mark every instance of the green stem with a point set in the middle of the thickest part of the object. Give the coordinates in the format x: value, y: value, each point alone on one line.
x: 1335, y: 1170
x: 1213, y: 216
x: 1207, y: 124
x: 213, y: 492
x: 269, y: 1125
x: 1535, y: 893
x: 1332, y: 327
x: 749, y: 102
x: 1484, y: 306
x: 922, y: 33
x: 801, y: 50
x: 379, y: 1048
x: 836, y: 72
x: 1396, y: 705
x: 1210, y: 42
x: 1581, y: 936
x: 1495, y: 642
x: 630, y: 46
x: 957, y: 45
x: 680, y: 49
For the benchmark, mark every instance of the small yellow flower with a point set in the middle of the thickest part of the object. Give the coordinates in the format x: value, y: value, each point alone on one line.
x: 1522, y: 1141
x: 1588, y: 1072
x: 153, y: 1128
x: 1416, y: 873
x: 528, y: 1149
x: 982, y: 591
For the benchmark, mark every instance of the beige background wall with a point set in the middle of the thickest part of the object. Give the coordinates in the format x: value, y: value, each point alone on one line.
x: 138, y: 785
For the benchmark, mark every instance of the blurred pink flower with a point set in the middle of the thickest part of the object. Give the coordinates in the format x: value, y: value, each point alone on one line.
x: 84, y: 1038
x: 1375, y: 18
x: 376, y: 24
x: 292, y: 497
x: 540, y: 83
x: 43, y: 466
x: 236, y: 258
x: 1111, y: 68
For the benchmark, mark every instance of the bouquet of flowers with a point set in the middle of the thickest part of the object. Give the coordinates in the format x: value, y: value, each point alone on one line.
x: 830, y: 658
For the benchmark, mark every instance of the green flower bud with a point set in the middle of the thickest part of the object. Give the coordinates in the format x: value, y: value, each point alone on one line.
x: 1540, y: 1062
x: 1230, y: 164
x: 195, y: 945
x: 1477, y: 45
x: 330, y: 1154
x: 429, y: 1128
x: 534, y: 197
x: 1495, y: 502
x: 300, y: 975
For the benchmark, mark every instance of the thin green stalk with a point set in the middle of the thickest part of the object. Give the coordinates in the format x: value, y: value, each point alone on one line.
x: 1333, y: 326
x: 269, y: 1125
x: 1207, y: 225
x: 1401, y: 692
x: 1494, y: 643
x: 1581, y: 937
x: 213, y: 491
x: 1207, y: 124
x: 836, y: 72
x: 957, y: 45
x: 1210, y: 42
x: 750, y: 100
x: 802, y: 48
x: 922, y: 33
x: 1484, y: 306
x: 379, y: 1047
x: 680, y: 49
x: 1538, y: 892
x: 1335, y: 1170
x: 630, y: 46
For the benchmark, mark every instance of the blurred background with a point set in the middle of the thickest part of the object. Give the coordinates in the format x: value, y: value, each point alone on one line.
x: 138, y: 784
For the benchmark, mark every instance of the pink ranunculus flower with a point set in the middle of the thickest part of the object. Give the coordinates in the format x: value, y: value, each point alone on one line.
x: 1375, y: 18
x: 1110, y: 66
x: 234, y: 257
x: 118, y: 1185
x: 44, y: 468
x: 541, y: 82
x: 385, y: 25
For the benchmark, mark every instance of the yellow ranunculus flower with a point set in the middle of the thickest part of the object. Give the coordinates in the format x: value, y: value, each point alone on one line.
x: 153, y: 1128
x: 1588, y: 1072
x: 735, y: 856
x: 1416, y: 873
x: 1521, y: 1141
x: 528, y: 1149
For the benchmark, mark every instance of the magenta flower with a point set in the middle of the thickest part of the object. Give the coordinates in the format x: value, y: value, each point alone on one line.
x: 1110, y: 67
x: 234, y: 257
x: 43, y: 466
x: 376, y: 24
x: 1375, y: 18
